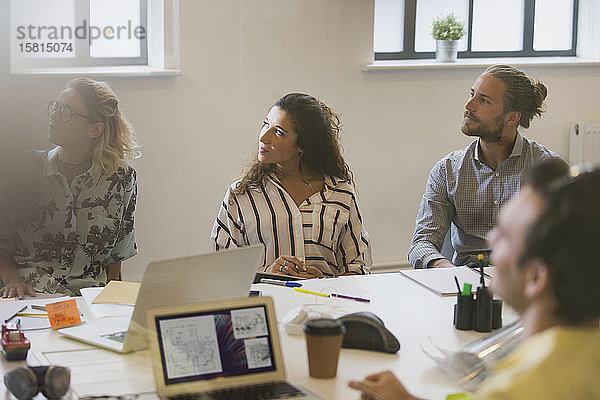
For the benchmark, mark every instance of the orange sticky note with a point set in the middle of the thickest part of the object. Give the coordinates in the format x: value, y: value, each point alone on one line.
x: 63, y: 313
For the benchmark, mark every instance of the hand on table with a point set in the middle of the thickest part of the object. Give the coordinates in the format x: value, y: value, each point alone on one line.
x: 293, y: 266
x: 381, y: 386
x: 17, y: 289
x: 441, y: 263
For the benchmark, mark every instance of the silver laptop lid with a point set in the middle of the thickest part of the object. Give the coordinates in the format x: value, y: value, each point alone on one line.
x: 197, y: 348
x: 224, y: 274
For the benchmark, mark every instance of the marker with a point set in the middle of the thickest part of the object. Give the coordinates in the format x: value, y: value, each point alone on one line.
x: 467, y: 289
x: 280, y: 283
x: 297, y: 289
x: 482, y: 279
x: 343, y: 296
x: 480, y: 261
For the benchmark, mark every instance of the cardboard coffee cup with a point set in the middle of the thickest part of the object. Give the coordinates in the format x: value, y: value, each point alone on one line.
x: 324, y: 338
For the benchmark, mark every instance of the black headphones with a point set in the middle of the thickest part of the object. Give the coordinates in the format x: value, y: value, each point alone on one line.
x: 24, y: 383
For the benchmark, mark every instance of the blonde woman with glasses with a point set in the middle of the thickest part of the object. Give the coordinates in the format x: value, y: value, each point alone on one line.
x: 73, y: 225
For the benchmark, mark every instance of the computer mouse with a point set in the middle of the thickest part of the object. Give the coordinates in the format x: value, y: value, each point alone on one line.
x: 365, y: 330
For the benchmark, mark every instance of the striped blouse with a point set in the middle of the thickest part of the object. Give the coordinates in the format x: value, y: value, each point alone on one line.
x: 326, y: 231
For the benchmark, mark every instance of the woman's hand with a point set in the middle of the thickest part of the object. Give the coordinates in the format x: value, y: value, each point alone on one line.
x: 293, y: 266
x: 17, y: 289
x: 381, y: 386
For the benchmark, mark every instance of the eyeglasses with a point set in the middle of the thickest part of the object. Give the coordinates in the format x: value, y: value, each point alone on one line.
x: 65, y: 113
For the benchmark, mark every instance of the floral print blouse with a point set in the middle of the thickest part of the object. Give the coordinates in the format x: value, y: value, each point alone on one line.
x: 63, y: 237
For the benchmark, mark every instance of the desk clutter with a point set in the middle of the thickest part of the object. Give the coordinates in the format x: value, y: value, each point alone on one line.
x: 480, y: 312
x: 470, y: 365
x: 41, y: 313
x: 364, y: 330
x: 377, y: 326
x: 14, y: 343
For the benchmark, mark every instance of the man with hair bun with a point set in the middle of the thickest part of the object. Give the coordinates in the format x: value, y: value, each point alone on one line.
x: 466, y: 189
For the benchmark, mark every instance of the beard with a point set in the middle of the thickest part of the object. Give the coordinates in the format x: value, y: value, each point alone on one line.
x: 491, y: 132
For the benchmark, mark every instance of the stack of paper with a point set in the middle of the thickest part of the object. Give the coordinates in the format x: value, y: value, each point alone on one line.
x: 117, y: 299
x: 441, y: 280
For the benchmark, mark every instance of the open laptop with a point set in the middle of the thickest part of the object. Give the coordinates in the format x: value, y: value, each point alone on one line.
x: 227, y: 349
x: 227, y: 273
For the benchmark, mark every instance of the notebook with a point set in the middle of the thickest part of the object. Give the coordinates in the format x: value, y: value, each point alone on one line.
x: 227, y: 273
x: 226, y: 349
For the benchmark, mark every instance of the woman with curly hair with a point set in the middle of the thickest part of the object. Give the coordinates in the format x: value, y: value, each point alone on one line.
x: 74, y: 222
x: 297, y: 197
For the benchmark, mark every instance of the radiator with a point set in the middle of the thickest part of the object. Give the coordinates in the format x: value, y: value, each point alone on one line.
x: 584, y: 142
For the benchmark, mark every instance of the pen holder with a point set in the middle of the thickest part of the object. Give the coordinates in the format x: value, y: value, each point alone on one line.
x: 497, y: 314
x: 483, y: 310
x: 464, y: 311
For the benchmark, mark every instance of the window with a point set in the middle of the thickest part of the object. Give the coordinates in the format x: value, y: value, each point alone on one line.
x: 507, y: 28
x: 67, y: 34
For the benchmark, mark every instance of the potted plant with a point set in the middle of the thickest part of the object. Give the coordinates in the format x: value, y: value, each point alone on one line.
x: 447, y: 31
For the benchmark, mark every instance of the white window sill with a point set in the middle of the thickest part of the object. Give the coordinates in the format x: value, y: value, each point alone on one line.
x: 130, y: 70
x: 383, y: 65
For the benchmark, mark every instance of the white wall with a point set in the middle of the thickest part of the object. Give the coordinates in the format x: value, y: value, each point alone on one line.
x: 238, y: 57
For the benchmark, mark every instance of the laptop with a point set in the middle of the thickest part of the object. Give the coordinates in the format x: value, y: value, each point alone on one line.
x: 227, y: 349
x: 227, y: 273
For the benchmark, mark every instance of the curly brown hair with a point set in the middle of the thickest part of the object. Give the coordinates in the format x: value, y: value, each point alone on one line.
x: 317, y: 128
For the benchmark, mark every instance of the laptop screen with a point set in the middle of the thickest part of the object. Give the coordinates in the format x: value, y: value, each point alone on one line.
x: 214, y: 344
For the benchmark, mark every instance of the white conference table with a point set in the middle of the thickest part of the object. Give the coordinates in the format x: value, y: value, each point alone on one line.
x: 411, y: 312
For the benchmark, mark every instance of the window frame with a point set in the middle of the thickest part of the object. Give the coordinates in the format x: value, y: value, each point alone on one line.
x: 142, y: 59
x: 82, y: 47
x: 409, y: 53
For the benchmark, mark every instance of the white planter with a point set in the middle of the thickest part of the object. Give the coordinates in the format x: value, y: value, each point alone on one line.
x: 446, y: 50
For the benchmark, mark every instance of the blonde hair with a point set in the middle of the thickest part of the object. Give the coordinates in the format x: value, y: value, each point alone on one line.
x: 117, y: 142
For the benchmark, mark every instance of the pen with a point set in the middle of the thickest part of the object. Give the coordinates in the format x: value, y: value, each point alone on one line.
x: 457, y: 284
x: 297, y: 289
x: 280, y: 283
x: 343, y: 296
x: 480, y: 261
x: 14, y: 315
x: 36, y: 307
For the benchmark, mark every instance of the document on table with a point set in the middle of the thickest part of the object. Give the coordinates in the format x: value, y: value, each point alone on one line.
x: 441, y: 280
x: 104, y: 310
x: 119, y: 292
x: 31, y: 318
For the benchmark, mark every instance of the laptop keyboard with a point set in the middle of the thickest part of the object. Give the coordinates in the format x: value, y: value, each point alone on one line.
x: 265, y: 391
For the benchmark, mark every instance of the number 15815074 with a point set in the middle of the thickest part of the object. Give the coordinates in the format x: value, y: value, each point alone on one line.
x: 48, y: 47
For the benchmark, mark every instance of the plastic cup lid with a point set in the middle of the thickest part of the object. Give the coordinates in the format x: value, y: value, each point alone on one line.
x: 324, y: 326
